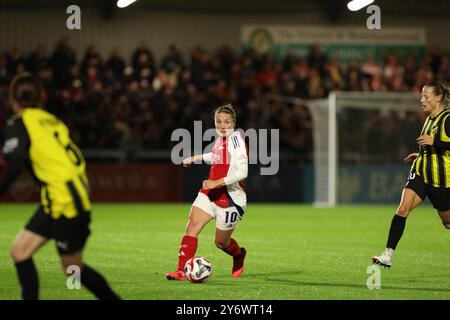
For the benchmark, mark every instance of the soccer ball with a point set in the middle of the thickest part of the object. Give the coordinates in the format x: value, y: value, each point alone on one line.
x: 198, y: 269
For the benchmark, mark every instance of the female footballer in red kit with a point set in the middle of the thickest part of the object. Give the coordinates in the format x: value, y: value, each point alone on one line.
x: 222, y: 196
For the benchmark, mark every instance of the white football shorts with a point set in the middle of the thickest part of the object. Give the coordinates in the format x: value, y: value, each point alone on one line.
x: 226, y: 218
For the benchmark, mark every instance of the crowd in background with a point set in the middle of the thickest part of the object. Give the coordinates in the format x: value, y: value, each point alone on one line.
x: 135, y: 103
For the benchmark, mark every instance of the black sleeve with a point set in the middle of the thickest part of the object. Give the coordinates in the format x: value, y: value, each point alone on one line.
x: 444, y: 145
x: 15, y: 152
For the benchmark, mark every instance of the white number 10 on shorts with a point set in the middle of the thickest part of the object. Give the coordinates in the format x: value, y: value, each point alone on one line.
x: 226, y: 218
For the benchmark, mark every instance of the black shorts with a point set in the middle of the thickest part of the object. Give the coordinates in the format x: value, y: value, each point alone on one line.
x: 70, y: 234
x: 439, y: 197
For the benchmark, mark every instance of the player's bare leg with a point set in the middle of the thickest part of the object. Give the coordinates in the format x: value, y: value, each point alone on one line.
x: 90, y: 278
x: 26, y: 244
x: 198, y: 219
x: 224, y: 241
x: 409, y: 201
x: 22, y: 250
x: 445, y: 217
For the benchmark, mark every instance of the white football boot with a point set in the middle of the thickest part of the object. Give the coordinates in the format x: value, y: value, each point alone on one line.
x: 384, y: 259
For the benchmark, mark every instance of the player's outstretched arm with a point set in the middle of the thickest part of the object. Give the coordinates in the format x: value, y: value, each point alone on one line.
x: 11, y: 172
x: 200, y: 157
x: 15, y: 153
x: 411, y: 157
x: 187, y: 162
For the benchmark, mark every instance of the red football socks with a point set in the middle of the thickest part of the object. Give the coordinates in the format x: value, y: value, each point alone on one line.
x: 233, y: 249
x: 187, y: 250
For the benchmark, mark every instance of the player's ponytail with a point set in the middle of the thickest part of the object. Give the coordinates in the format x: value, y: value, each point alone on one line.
x: 228, y: 108
x: 446, y: 99
x: 26, y: 91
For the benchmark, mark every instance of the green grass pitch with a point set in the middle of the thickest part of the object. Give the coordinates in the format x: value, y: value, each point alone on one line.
x: 295, y: 252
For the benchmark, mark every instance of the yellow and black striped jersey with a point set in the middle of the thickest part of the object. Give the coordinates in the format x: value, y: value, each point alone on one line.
x: 42, y: 142
x: 433, y: 162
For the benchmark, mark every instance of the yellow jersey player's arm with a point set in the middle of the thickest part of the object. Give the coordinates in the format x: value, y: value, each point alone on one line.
x: 15, y: 151
x: 442, y: 141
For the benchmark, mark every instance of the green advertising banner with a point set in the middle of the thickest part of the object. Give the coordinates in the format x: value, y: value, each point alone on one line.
x: 343, y: 43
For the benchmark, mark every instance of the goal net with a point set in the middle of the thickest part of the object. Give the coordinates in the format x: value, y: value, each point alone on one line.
x: 360, y: 140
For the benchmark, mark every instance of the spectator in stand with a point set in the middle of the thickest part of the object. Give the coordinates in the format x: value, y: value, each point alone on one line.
x: 424, y: 75
x: 371, y: 68
x: 410, y: 70
x: 92, y: 58
x: 38, y: 59
x: 116, y: 63
x: 143, y: 62
x: 316, y: 89
x: 268, y: 75
x: 13, y: 58
x: 353, y: 78
x: 301, y: 76
x: 317, y: 59
x: 63, y: 57
x: 172, y: 59
x: 334, y: 80
x: 289, y: 62
x: 199, y: 66
x: 443, y: 72
x: 393, y: 73
x: 226, y: 57
x: 5, y: 75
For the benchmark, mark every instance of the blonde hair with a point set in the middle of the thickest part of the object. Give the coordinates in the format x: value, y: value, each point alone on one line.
x: 228, y: 108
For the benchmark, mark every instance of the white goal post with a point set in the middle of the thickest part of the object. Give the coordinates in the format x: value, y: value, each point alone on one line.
x: 347, y: 118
